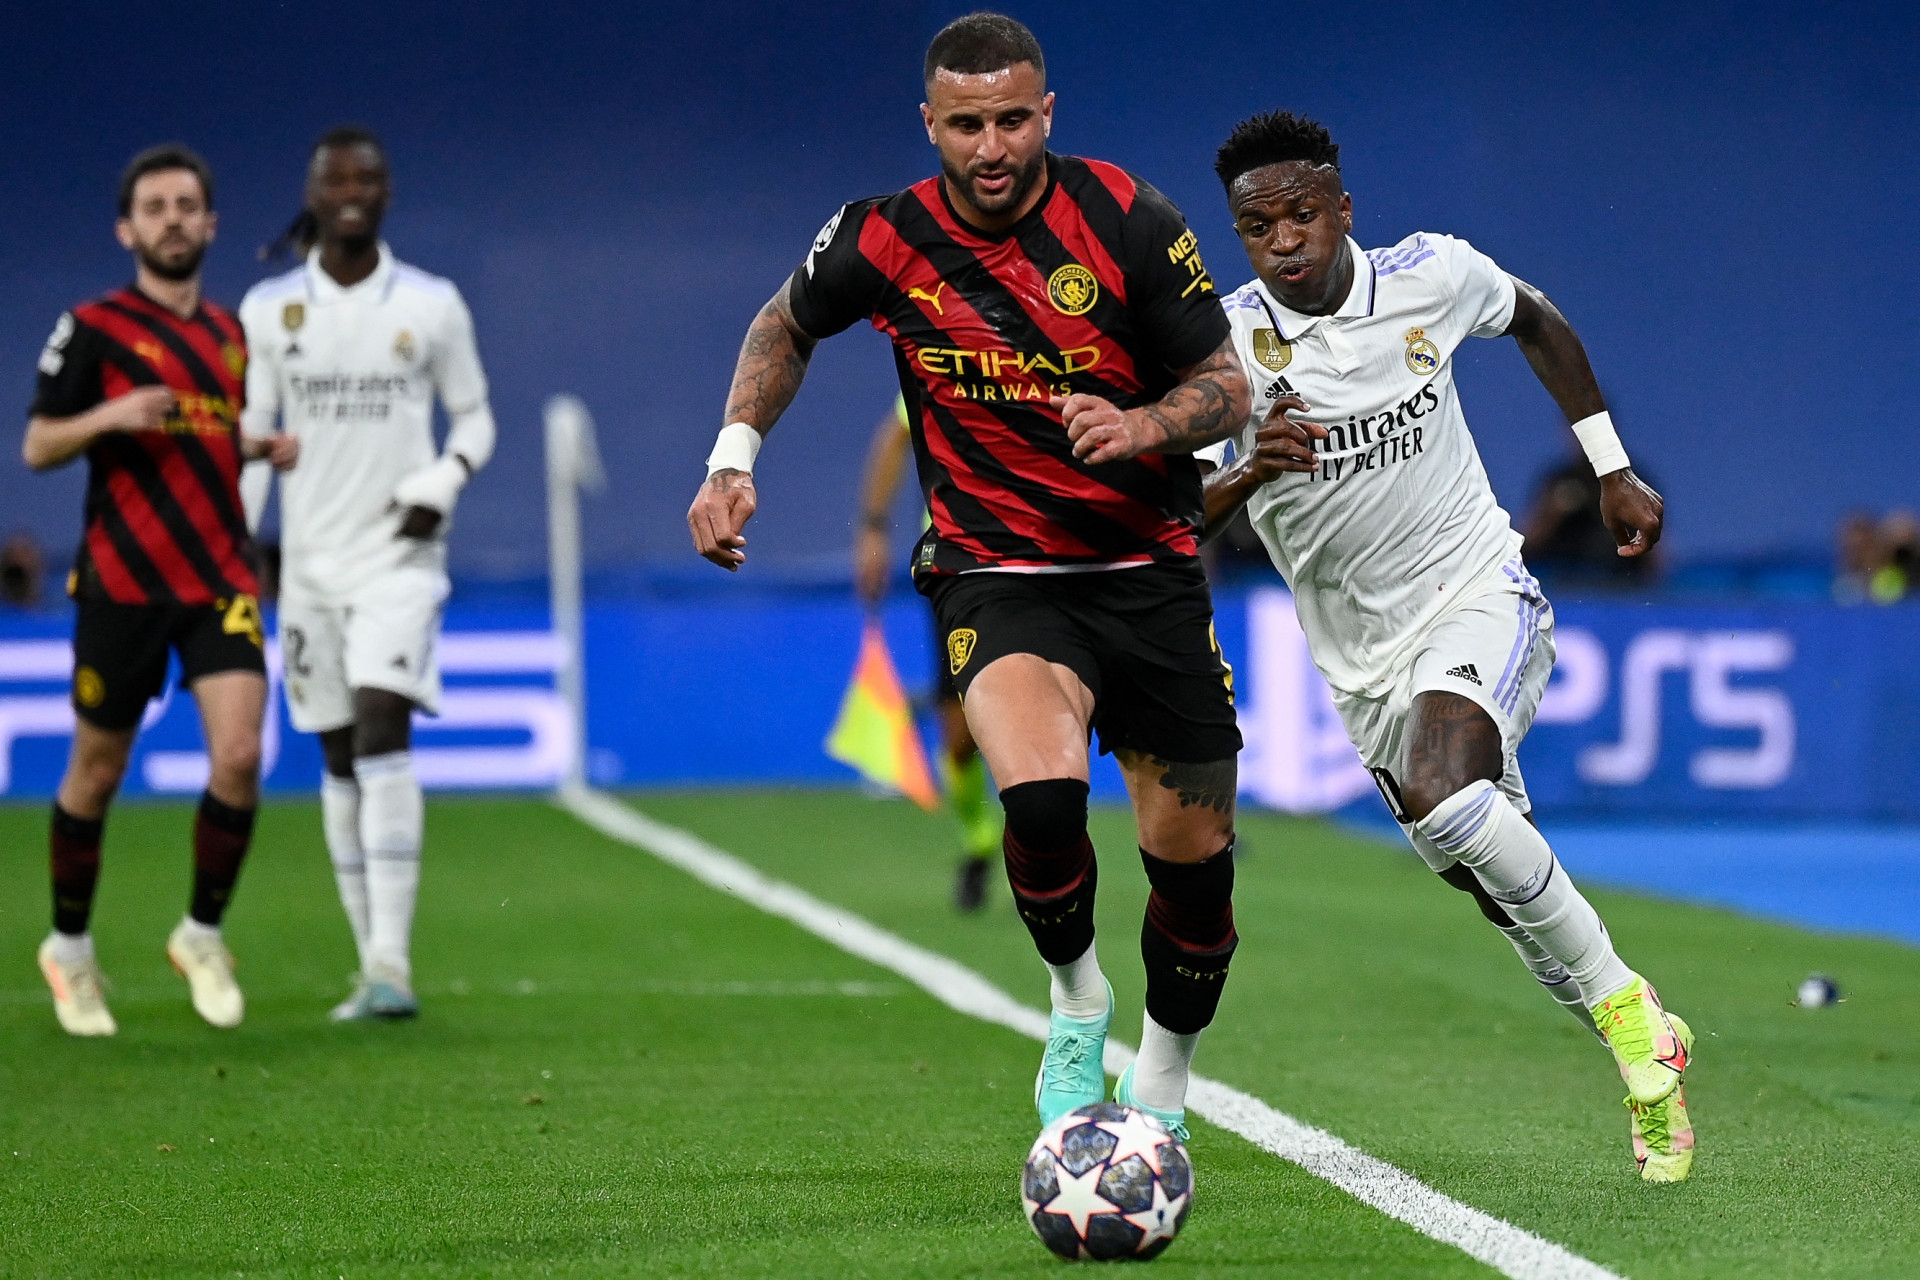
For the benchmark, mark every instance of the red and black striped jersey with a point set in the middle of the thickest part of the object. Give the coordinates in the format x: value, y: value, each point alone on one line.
x: 164, y: 523
x: 1099, y: 289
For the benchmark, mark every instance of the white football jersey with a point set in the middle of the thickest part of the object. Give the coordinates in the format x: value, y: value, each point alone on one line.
x: 1399, y: 521
x: 353, y: 373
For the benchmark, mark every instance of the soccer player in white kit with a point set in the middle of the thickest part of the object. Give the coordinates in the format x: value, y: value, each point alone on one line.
x: 350, y: 351
x: 1362, y: 480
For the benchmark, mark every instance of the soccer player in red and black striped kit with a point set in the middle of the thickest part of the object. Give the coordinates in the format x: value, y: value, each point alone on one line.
x: 147, y: 383
x: 1062, y: 353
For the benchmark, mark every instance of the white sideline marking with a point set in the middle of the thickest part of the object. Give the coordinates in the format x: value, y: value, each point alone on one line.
x: 1508, y: 1249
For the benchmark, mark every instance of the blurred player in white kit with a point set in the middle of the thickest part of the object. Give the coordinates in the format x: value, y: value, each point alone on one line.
x: 351, y: 349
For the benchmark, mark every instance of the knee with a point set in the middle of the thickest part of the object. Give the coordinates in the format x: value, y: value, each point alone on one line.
x: 1047, y: 816
x: 96, y: 776
x: 1431, y: 782
x: 336, y: 746
x: 236, y: 756
x: 383, y: 733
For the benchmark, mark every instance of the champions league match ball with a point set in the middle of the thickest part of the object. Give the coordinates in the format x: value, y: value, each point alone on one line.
x: 1107, y: 1182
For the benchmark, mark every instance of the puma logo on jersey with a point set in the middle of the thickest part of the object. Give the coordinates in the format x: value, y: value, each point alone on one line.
x: 931, y: 299
x: 1465, y: 671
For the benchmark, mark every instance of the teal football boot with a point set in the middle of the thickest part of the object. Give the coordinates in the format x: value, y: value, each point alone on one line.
x: 1071, y: 1074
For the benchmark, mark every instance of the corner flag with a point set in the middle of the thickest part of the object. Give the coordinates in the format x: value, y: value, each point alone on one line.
x: 875, y: 732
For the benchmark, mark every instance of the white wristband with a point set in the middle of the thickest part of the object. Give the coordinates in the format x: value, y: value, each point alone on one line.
x: 735, y: 449
x: 1603, y: 447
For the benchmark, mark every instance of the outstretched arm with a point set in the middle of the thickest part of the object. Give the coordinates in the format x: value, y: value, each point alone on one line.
x: 1633, y: 512
x: 1211, y: 403
x: 773, y: 361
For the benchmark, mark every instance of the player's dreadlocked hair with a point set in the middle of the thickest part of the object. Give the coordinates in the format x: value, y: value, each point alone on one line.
x: 983, y: 42
x: 171, y: 155
x: 304, y: 230
x: 1275, y: 138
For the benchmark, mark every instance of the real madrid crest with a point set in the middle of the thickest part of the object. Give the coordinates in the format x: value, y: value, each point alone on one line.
x: 1422, y: 356
x: 1270, y: 351
x: 1073, y: 290
x: 293, y: 315
x: 960, y: 647
x: 403, y: 346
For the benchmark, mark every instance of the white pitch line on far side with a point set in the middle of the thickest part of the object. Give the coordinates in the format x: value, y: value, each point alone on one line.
x: 1510, y: 1250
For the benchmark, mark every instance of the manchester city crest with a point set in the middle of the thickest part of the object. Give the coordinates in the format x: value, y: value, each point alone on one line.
x: 960, y: 647
x: 1073, y: 289
x: 1422, y: 356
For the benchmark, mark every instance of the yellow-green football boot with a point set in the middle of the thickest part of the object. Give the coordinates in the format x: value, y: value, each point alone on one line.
x: 1651, y: 1045
x: 1662, y: 1138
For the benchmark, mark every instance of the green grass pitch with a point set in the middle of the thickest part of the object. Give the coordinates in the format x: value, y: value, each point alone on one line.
x: 620, y: 1072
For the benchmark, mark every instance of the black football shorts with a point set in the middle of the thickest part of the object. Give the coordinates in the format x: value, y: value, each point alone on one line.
x: 1141, y: 640
x: 120, y: 652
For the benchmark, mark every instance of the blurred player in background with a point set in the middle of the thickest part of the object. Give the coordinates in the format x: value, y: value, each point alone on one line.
x: 147, y: 384
x: 1064, y: 353
x: 1362, y: 480
x: 352, y: 348
x: 963, y: 774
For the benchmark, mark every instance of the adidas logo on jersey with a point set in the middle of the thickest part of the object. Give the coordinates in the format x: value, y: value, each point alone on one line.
x: 1465, y: 671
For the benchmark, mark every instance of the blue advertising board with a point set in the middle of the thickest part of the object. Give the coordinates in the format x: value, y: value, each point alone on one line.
x: 1654, y: 711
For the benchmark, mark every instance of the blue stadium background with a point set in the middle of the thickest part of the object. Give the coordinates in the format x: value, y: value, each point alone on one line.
x: 1720, y: 196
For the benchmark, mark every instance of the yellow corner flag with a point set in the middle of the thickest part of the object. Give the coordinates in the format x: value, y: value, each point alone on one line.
x: 875, y: 732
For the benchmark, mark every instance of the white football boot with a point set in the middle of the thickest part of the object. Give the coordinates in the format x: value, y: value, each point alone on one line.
x: 354, y: 1007
x: 77, y: 993
x: 204, y: 961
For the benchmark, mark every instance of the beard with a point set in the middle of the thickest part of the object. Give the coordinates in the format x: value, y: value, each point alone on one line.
x: 181, y: 265
x: 1025, y: 179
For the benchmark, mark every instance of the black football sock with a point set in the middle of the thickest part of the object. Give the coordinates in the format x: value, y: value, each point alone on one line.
x: 221, y: 834
x: 75, y: 846
x: 1050, y: 865
x: 1187, y: 938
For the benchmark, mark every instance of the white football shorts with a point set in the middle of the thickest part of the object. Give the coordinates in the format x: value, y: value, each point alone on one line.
x: 1495, y: 648
x: 381, y: 635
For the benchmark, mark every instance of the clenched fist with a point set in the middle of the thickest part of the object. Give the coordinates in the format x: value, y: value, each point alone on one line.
x: 719, y: 512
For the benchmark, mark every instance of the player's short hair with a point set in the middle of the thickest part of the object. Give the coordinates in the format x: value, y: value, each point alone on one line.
x: 1276, y: 137
x: 161, y: 159
x: 981, y: 43
x: 348, y: 135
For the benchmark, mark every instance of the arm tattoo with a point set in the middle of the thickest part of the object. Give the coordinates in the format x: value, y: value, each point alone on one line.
x: 1211, y: 785
x: 1210, y: 403
x: 773, y: 360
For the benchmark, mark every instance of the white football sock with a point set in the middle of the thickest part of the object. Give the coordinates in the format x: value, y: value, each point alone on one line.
x: 340, y: 819
x: 391, y: 817
x: 1079, y: 989
x: 1160, y: 1072
x: 1552, y: 976
x: 72, y: 948
x: 1480, y: 826
x: 194, y: 928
